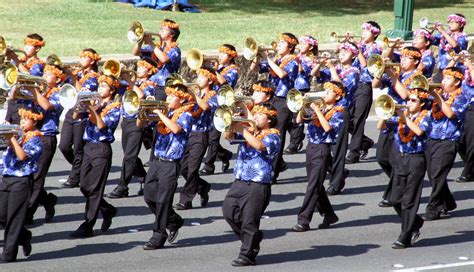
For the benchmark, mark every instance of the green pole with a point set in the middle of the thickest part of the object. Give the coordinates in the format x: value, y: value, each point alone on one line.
x: 403, y: 11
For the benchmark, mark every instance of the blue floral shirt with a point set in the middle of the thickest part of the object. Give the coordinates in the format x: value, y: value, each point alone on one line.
x: 204, y: 122
x: 303, y: 78
x: 317, y: 135
x: 172, y: 66
x: 95, y: 135
x: 468, y: 88
x: 90, y: 81
x: 404, y: 79
x: 418, y: 144
x: 148, y: 88
x: 254, y: 165
x: 445, y: 47
x: 350, y: 80
x: 14, y: 167
x: 450, y: 129
x: 231, y: 76
x: 367, y: 51
x: 172, y: 146
x: 429, y: 62
x: 35, y: 66
x: 51, y: 117
x: 282, y: 85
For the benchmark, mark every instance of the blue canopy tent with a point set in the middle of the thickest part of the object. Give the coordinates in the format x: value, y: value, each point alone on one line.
x: 183, y: 5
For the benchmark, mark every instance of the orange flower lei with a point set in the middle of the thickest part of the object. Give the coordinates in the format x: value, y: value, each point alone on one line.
x: 283, y: 63
x: 259, y: 88
x: 454, y: 74
x: 420, y: 94
x: 175, y: 92
x: 148, y: 66
x: 54, y: 70
x: 24, y: 113
x: 31, y: 62
x: 170, y: 25
x: 162, y: 129
x: 438, y: 114
x: 165, y: 50
x: 402, y: 128
x: 261, y: 109
x: 230, y: 52
x: 147, y: 83
x: 109, y: 107
x: 411, y: 53
x: 89, y: 54
x: 288, y: 39
x: 87, y: 76
x: 51, y: 91
x: 34, y: 42
x: 226, y: 69
x: 408, y: 81
x: 207, y: 74
x: 112, y: 82
x: 31, y: 134
x: 206, y: 97
x: 263, y: 133
x: 334, y: 88
x: 328, y: 115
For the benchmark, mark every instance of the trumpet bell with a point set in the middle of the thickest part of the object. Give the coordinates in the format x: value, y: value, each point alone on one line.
x: 376, y: 65
x: 68, y: 96
x: 420, y: 82
x: 194, y: 58
x: 8, y: 75
x: 294, y: 100
x: 424, y: 22
x: 385, y: 106
x: 131, y: 102
x: 250, y: 48
x: 112, y: 68
x: 53, y: 59
x: 222, y: 118
x: 226, y: 96
x: 135, y: 32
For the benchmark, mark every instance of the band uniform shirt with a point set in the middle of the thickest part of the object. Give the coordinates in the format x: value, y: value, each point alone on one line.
x: 149, y: 89
x: 255, y: 165
x: 468, y: 87
x: 450, y: 129
x: 34, y: 65
x: 444, y: 47
x: 204, y: 122
x: 429, y: 62
x: 33, y: 148
x: 51, y: 117
x: 350, y: 79
x: 89, y: 80
x: 367, y: 51
x: 317, y: 135
x: 303, y: 78
x: 172, y: 146
x: 282, y: 85
x: 166, y: 69
x: 418, y: 144
x: 387, y: 83
x: 231, y: 76
x: 95, y: 135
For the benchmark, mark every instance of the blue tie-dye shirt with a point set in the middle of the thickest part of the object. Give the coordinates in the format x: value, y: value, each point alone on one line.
x: 418, y: 144
x: 254, y: 165
x: 317, y: 135
x: 450, y: 129
x: 231, y: 76
x: 51, y: 117
x: 468, y: 87
x: 445, y: 47
x: 204, y: 122
x: 14, y: 167
x: 172, y: 146
x: 303, y: 79
x: 88, y: 80
x: 350, y: 80
x: 367, y: 51
x: 95, y: 135
x: 282, y: 85
x: 172, y: 66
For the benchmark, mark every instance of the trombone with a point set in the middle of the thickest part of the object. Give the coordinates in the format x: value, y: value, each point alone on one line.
x: 251, y: 48
x: 136, y: 33
x: 224, y: 117
x: 6, y: 131
x: 424, y: 23
x: 385, y: 106
x: 195, y: 58
x: 349, y: 36
x: 376, y: 65
x: 297, y: 102
x: 114, y: 68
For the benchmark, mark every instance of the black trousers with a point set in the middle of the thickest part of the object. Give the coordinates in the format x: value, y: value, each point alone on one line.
x: 243, y: 207
x: 466, y: 147
x: 359, y: 111
x: 338, y: 161
x: 296, y: 130
x: 14, y: 196
x: 440, y: 156
x: 39, y: 194
x: 384, y: 149
x: 71, y: 135
x: 284, y: 123
x: 215, y: 150
x: 406, y: 193
x: 160, y: 185
x: 197, y: 145
x: 132, y: 138
x: 12, y: 115
x: 315, y: 196
x: 95, y: 170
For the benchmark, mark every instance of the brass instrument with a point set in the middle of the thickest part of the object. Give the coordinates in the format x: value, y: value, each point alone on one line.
x: 297, y: 102
x: 176, y: 78
x: 195, y: 58
x: 385, y: 106
x: 424, y: 23
x: 4, y: 48
x: 5, y: 133
x: 224, y: 117
x: 146, y: 108
x: 342, y: 38
x: 136, y: 32
x: 86, y: 99
x: 54, y: 59
x: 421, y: 82
x: 376, y: 65
x: 131, y: 102
x: 387, y: 42
x: 114, y: 68
x: 462, y: 54
x: 68, y: 96
x: 251, y: 48
x: 10, y: 77
x: 227, y: 97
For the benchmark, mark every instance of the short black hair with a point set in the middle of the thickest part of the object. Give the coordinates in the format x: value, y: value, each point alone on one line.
x: 95, y: 66
x: 35, y: 36
x: 273, y: 119
x: 174, y: 31
x: 230, y: 47
x: 376, y: 25
x: 293, y: 46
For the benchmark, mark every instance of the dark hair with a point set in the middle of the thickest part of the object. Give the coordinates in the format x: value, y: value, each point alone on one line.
x: 39, y: 123
x: 273, y: 119
x: 95, y: 66
x: 35, y: 36
x: 174, y: 31
x: 293, y: 46
x: 356, y: 46
x: 430, y: 41
x: 150, y: 61
x: 459, y: 70
x: 412, y: 48
x: 210, y: 70
x: 339, y: 85
x: 460, y: 15
x: 266, y: 84
x: 376, y: 25
x: 230, y: 47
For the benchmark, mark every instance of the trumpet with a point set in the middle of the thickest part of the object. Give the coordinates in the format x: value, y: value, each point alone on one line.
x: 114, y: 68
x: 385, y: 106
x: 376, y: 65
x: 195, y: 58
x: 387, y: 42
x: 224, y: 117
x: 54, y: 59
x: 462, y: 54
x: 424, y: 23
x: 297, y: 102
x: 6, y: 131
x: 136, y: 33
x: 342, y: 38
x: 4, y: 48
x: 147, y: 106
x: 86, y: 99
x: 251, y: 48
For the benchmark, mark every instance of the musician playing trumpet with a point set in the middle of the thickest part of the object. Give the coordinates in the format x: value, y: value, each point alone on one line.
x: 249, y: 194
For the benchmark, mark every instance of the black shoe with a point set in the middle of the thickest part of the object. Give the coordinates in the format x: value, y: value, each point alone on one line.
x: 300, y: 228
x: 152, y: 246
x: 385, y: 204
x: 300, y: 147
x: 242, y: 262
x: 108, y: 219
x: 180, y: 206
x: 70, y: 184
x: 350, y: 159
x: 290, y: 151
x: 174, y: 233
x: 414, y: 236
x: 332, y: 191
x: 283, y: 167
x: 328, y: 220
x: 225, y: 166
x: 206, y: 171
x: 431, y: 216
x: 463, y: 179
x: 2, y: 260
x: 345, y: 174
x: 140, y: 191
x: 205, y: 196
x: 147, y: 164
x: 51, y: 201
x: 118, y: 193
x: 27, y: 244
x: 364, y: 148
x: 399, y: 245
x: 29, y: 221
x: 82, y: 233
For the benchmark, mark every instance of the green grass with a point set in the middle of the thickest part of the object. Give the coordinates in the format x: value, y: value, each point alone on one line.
x: 71, y: 25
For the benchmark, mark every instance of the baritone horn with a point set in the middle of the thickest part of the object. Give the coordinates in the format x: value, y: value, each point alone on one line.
x: 67, y: 96
x: 195, y: 58
x: 227, y: 96
x: 297, y: 102
x: 224, y: 117
x: 136, y: 33
x: 4, y: 48
x: 421, y: 82
x: 5, y: 133
x: 86, y: 99
x: 385, y: 106
x: 114, y: 68
x: 146, y: 108
x: 376, y: 65
x: 10, y: 77
x: 251, y: 48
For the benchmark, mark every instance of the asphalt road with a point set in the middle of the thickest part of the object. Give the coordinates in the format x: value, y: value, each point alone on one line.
x: 360, y: 241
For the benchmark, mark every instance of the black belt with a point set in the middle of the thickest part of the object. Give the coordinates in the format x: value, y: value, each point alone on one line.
x: 412, y: 155
x: 165, y: 159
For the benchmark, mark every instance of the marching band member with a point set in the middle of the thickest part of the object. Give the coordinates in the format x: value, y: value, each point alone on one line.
x: 101, y: 122
x: 20, y: 162
x: 323, y: 129
x: 422, y: 40
x: 161, y: 180
x: 249, y: 194
x: 227, y: 73
x: 51, y: 109
x: 206, y: 104
x: 308, y: 49
x: 132, y: 136
x: 447, y: 116
x: 283, y: 69
x: 411, y: 128
x: 72, y: 131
